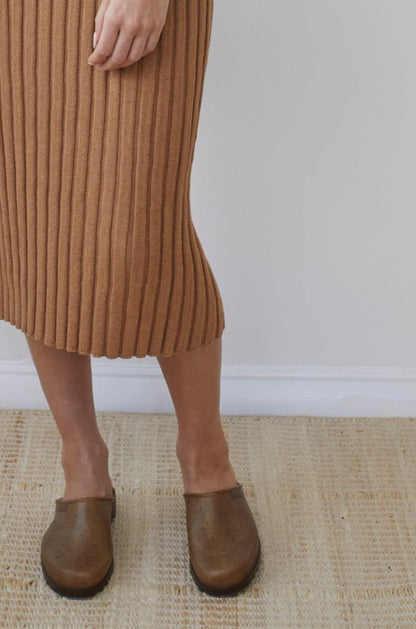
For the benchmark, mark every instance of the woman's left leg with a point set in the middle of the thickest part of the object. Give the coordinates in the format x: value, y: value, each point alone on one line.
x: 193, y: 380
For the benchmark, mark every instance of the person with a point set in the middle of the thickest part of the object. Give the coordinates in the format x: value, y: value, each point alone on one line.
x: 99, y: 256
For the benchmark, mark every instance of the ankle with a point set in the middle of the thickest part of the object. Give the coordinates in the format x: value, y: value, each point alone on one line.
x: 86, y: 470
x: 199, y: 458
x: 209, y: 476
x: 82, y: 454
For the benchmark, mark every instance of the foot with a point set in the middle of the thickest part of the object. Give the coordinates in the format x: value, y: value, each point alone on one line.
x: 86, y: 471
x: 207, y: 470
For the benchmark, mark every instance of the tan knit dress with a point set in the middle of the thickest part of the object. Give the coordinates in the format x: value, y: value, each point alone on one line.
x: 98, y: 251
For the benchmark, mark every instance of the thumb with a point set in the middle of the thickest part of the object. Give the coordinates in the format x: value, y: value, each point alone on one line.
x: 98, y: 23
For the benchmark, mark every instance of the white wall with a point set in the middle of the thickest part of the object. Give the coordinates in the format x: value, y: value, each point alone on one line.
x: 304, y: 199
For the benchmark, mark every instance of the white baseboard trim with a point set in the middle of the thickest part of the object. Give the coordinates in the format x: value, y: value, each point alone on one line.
x: 138, y: 385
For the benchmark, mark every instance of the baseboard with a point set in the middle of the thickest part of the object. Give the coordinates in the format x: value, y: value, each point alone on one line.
x: 139, y: 386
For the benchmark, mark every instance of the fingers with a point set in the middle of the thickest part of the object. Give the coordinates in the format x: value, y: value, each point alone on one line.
x: 137, y: 50
x: 99, y: 19
x: 121, y: 41
x: 105, y: 43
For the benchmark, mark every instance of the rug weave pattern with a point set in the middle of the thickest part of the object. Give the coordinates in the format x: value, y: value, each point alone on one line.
x: 334, y: 501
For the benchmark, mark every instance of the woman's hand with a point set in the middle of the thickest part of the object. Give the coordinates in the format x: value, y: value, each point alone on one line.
x: 126, y: 30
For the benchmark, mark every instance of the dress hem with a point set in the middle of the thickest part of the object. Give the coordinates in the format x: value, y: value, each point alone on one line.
x: 103, y: 355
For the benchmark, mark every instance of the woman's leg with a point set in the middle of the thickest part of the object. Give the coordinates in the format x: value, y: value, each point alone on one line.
x: 66, y: 380
x: 193, y: 380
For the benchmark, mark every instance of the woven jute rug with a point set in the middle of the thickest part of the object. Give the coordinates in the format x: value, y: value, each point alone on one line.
x: 334, y: 501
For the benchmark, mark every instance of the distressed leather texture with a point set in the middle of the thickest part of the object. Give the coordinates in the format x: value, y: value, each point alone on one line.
x: 223, y: 539
x: 77, y: 547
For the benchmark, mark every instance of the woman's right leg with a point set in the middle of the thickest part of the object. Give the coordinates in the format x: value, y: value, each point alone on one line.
x: 66, y: 381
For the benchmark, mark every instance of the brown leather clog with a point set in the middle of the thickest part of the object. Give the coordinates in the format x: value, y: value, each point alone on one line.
x: 77, y: 548
x: 223, y: 541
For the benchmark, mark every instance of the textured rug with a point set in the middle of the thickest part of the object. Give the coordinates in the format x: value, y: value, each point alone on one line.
x: 334, y: 501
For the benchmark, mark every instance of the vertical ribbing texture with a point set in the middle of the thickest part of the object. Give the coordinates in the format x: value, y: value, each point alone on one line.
x: 98, y: 250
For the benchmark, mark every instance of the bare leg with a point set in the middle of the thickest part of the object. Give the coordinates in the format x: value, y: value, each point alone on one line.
x: 193, y: 380
x: 66, y: 380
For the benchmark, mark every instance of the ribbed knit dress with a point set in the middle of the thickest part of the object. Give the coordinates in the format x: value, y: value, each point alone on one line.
x: 98, y: 251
